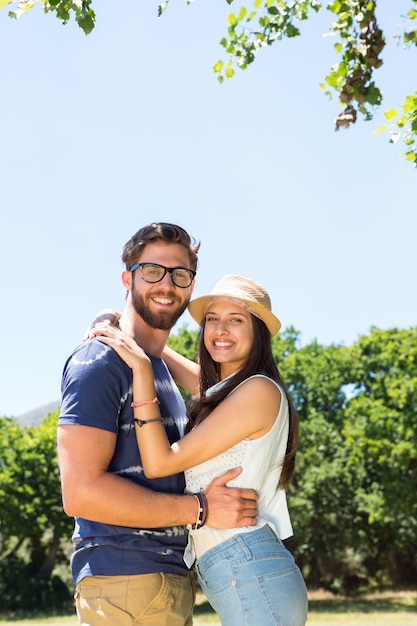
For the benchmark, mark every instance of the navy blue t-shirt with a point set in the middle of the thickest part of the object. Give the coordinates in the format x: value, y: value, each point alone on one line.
x: 97, y: 392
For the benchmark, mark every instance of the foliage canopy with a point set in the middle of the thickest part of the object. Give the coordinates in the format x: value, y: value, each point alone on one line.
x: 359, y: 43
x: 33, y: 528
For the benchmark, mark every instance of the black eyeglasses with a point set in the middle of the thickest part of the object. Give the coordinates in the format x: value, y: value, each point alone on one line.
x: 154, y: 273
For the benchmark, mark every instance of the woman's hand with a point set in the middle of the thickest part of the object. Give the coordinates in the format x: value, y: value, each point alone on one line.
x: 126, y: 347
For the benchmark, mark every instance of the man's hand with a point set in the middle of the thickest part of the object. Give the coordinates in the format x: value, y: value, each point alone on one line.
x: 230, y: 507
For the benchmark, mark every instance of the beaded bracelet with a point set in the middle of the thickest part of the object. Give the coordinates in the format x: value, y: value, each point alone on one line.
x: 137, y: 404
x: 202, y: 510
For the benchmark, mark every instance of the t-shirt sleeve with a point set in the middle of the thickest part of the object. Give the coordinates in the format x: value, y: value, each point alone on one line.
x: 94, y: 388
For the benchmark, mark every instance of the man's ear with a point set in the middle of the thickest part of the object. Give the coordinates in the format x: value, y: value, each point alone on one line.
x: 127, y: 279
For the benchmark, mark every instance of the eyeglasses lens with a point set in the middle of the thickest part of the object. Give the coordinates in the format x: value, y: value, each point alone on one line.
x: 181, y: 277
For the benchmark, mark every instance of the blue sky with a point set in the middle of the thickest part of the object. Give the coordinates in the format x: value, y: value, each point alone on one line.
x: 103, y: 134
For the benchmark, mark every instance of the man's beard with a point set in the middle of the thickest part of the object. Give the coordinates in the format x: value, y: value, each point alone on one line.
x: 163, y: 321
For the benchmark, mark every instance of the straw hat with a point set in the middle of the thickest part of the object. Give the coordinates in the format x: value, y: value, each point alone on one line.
x: 246, y: 293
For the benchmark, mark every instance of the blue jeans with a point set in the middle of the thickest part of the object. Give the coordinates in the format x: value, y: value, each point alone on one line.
x: 252, y: 579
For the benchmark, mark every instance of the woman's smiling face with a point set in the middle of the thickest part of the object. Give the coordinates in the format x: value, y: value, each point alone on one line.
x: 228, y: 335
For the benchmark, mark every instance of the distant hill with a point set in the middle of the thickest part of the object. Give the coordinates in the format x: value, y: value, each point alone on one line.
x: 36, y: 416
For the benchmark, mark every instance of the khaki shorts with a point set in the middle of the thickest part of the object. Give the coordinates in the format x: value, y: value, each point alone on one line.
x: 151, y: 599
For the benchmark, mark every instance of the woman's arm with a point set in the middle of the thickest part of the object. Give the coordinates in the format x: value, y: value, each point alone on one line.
x: 249, y: 412
x: 184, y: 371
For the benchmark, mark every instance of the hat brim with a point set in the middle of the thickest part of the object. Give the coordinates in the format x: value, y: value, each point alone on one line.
x: 197, y: 310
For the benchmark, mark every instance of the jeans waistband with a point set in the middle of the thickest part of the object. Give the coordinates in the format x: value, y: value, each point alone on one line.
x: 240, y: 544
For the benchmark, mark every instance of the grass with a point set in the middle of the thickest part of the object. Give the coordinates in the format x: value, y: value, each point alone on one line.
x: 382, y: 609
x: 379, y: 609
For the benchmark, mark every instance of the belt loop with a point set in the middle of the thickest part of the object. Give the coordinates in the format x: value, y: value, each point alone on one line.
x: 241, y: 540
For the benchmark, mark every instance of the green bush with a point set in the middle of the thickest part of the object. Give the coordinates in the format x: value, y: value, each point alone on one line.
x: 21, y: 591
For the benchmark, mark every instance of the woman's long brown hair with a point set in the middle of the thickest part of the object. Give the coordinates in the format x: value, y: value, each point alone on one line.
x: 261, y: 361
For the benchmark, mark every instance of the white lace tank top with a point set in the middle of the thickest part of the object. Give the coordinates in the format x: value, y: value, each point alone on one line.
x: 261, y: 461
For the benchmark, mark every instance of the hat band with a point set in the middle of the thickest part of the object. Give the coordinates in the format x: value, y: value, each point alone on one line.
x: 238, y: 301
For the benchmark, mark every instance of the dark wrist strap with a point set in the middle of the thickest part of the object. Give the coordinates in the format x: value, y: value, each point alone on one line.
x: 202, y: 510
x: 141, y: 423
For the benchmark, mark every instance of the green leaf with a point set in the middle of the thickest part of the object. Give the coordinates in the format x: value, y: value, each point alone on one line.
x: 292, y: 31
x: 333, y: 79
x: 217, y: 67
x: 335, y: 7
x: 410, y: 37
x: 373, y: 95
x: 402, y: 121
x: 231, y: 19
x: 411, y: 156
x: 410, y: 104
x: 242, y: 13
x: 391, y: 114
x: 86, y: 23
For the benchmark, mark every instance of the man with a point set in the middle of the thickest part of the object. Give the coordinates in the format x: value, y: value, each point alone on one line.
x: 130, y: 537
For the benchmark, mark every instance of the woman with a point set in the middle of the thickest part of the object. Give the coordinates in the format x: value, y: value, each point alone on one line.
x: 242, y: 417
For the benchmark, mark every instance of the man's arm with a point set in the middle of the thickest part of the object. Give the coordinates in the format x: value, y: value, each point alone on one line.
x: 91, y: 492
x: 184, y: 371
